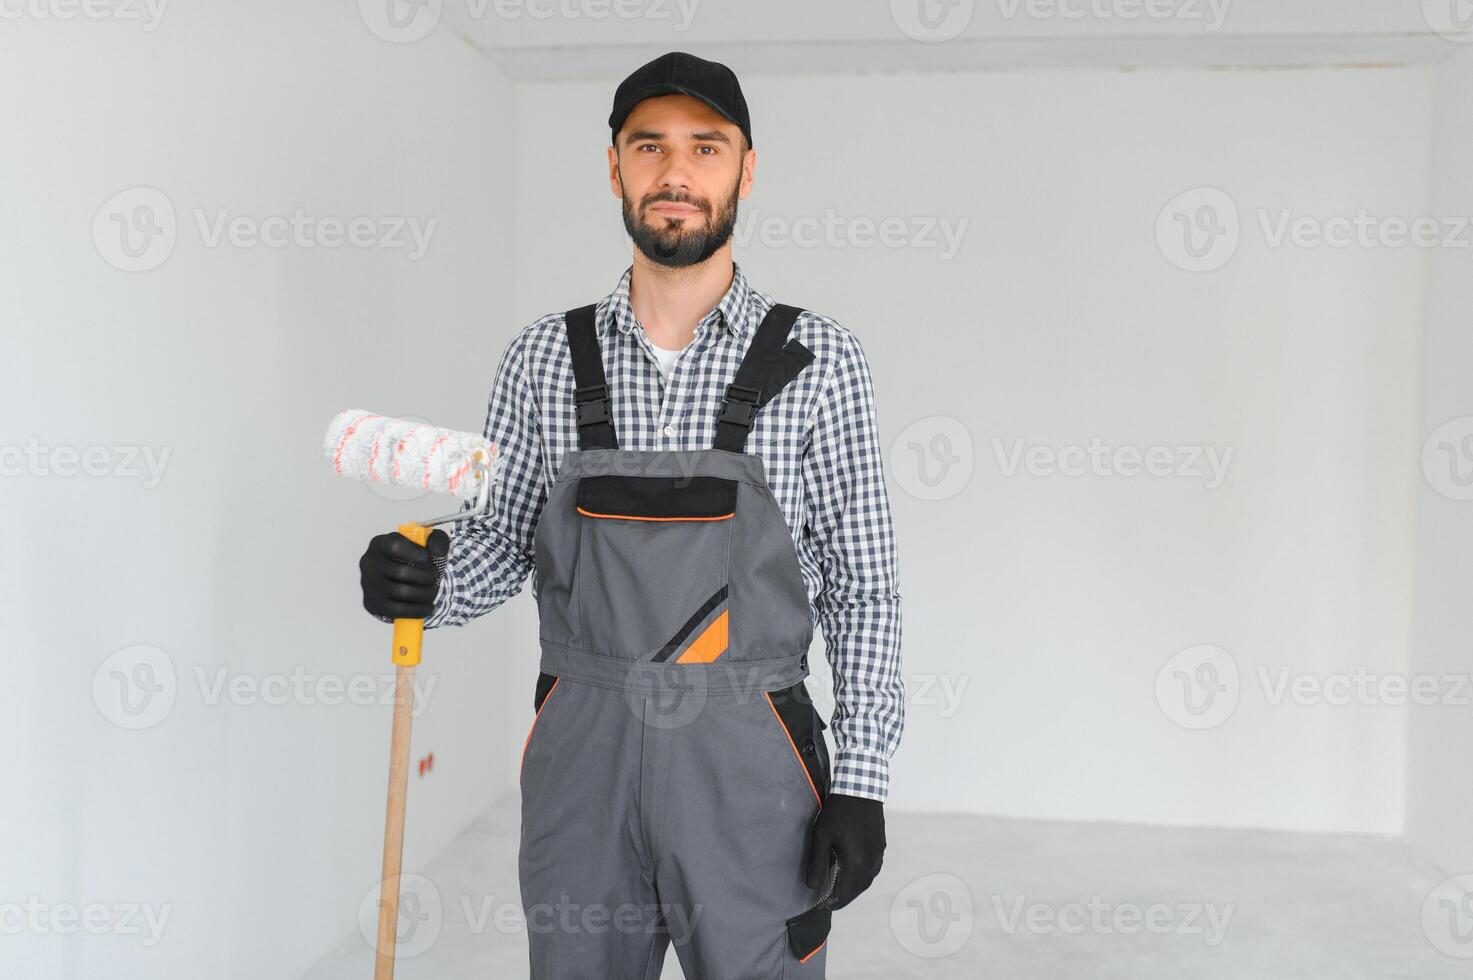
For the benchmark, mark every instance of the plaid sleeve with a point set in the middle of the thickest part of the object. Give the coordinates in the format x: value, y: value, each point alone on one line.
x: 490, y: 557
x: 849, y: 523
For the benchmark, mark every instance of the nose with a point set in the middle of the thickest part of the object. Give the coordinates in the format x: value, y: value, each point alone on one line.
x: 675, y: 175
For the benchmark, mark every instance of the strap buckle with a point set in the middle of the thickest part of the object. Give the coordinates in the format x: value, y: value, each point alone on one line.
x: 739, y: 407
x: 591, y: 404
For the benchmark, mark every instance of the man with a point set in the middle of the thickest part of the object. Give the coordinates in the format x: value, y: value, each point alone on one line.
x: 694, y: 473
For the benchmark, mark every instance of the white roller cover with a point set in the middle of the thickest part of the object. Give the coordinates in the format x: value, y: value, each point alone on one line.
x: 368, y: 446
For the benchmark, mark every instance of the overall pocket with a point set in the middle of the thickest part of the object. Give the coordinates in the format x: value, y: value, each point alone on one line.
x: 804, y: 728
x: 546, y: 684
x: 654, y: 558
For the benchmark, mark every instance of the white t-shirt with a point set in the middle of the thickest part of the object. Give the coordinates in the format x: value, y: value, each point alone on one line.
x: 666, y: 358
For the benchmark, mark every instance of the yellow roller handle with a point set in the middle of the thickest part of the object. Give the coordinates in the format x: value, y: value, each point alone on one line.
x: 409, y: 634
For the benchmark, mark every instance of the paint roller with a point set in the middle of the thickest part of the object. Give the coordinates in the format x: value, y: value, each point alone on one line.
x: 379, y: 449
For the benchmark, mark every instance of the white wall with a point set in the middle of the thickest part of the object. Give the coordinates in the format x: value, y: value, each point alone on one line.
x: 1049, y: 602
x: 255, y: 828
x: 1440, y: 781
x: 1056, y: 600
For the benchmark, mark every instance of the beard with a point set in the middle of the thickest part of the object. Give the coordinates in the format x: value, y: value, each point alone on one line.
x: 681, y: 243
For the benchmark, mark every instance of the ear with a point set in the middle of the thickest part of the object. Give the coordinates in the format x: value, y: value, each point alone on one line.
x: 616, y: 185
x: 749, y: 174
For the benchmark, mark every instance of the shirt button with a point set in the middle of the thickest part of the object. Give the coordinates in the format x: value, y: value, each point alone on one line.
x: 669, y: 430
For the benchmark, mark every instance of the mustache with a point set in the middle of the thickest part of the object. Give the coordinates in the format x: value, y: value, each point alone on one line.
x: 668, y: 198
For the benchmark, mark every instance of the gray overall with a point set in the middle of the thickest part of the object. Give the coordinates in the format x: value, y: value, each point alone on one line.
x: 675, y: 765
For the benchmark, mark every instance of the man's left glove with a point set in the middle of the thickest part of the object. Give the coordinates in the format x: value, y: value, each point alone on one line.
x: 853, y: 828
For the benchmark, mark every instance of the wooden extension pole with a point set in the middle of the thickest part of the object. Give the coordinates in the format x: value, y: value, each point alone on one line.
x: 408, y: 640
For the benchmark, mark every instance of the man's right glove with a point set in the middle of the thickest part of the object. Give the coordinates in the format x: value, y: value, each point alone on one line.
x: 400, y: 578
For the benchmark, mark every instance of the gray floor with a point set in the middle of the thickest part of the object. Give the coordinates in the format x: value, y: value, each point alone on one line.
x: 969, y: 897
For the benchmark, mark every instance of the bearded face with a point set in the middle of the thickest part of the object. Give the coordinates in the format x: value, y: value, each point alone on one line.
x: 679, y: 238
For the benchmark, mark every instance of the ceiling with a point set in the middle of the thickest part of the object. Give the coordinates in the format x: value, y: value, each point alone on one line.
x: 550, y: 40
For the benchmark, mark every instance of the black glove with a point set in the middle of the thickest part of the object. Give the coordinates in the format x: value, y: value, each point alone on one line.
x: 400, y: 578
x: 853, y: 828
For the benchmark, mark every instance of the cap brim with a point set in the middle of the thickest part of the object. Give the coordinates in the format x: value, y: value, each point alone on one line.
x: 667, y: 88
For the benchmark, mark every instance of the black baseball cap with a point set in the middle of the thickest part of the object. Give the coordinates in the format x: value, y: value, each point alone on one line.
x: 678, y: 73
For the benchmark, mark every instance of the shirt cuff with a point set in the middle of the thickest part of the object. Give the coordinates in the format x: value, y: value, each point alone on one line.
x: 442, y: 599
x: 860, y: 772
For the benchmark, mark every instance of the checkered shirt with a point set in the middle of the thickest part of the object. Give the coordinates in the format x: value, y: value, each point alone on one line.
x: 819, y: 444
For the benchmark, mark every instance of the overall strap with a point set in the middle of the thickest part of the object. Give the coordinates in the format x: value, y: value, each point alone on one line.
x: 767, y: 366
x: 591, y: 403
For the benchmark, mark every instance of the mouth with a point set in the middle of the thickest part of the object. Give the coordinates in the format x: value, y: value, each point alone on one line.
x: 670, y: 209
